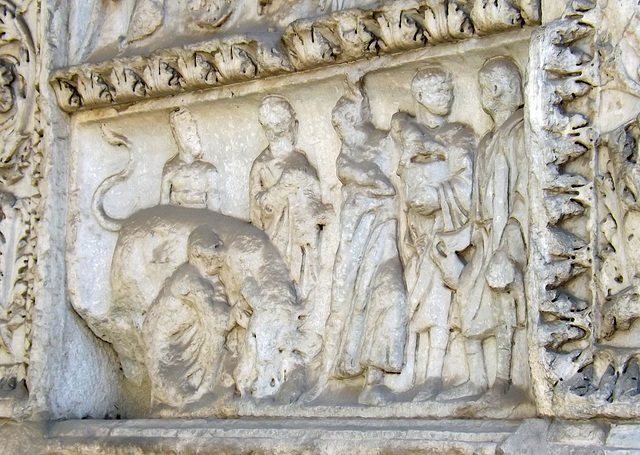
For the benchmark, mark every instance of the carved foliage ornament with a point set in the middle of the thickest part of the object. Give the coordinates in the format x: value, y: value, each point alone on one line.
x: 342, y: 36
x: 19, y: 158
x: 583, y: 273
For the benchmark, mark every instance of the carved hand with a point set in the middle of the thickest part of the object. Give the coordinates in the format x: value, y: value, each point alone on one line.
x: 501, y: 271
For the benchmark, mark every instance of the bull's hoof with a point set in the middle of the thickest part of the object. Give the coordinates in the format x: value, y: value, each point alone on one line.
x: 292, y: 389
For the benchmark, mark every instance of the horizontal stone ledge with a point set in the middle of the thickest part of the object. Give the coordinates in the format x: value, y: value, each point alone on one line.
x: 341, y: 37
x: 309, y: 436
x: 319, y: 436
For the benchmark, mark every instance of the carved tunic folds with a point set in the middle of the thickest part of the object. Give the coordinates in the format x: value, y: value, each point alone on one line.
x: 185, y: 330
x: 369, y: 296
x: 499, y: 217
x: 285, y: 202
x: 436, y: 226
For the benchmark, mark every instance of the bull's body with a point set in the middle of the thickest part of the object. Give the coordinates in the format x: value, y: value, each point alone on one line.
x: 152, y: 244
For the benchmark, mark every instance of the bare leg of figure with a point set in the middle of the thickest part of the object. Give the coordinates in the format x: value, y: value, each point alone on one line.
x: 504, y: 344
x: 439, y: 299
x: 438, y: 339
x: 409, y: 375
x: 422, y: 357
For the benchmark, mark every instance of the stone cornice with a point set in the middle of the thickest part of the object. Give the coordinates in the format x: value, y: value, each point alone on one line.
x: 341, y: 37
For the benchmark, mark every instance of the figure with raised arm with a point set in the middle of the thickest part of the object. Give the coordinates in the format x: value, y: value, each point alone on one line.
x: 367, y: 327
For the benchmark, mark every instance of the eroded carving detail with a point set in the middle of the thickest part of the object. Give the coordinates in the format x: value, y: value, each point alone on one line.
x: 619, y: 189
x: 367, y: 327
x: 185, y: 327
x: 491, y: 294
x: 187, y: 281
x: 562, y: 199
x: 186, y: 179
x: 210, y: 14
x: 147, y: 17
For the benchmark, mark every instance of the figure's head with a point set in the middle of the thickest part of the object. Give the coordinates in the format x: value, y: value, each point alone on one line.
x: 211, y: 14
x: 278, y: 118
x: 432, y: 88
x: 206, y: 250
x: 351, y: 111
x: 500, y: 86
x: 185, y: 132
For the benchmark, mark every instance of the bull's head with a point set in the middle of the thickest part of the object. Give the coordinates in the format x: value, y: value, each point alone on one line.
x: 276, y: 369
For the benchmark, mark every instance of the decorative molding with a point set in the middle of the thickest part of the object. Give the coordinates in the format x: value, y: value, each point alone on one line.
x: 19, y: 197
x: 343, y: 36
x: 580, y: 283
x: 563, y: 68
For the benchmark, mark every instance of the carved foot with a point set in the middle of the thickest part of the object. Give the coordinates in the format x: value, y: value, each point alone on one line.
x: 468, y: 390
x: 498, y: 391
x: 376, y: 395
x: 431, y: 389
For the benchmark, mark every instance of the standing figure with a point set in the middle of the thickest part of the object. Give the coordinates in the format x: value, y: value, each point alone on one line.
x: 491, y: 295
x: 369, y: 310
x: 187, y: 180
x: 436, y: 169
x: 284, y: 195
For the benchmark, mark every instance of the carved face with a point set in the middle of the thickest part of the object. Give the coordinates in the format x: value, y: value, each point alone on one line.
x: 206, y: 250
x: 500, y: 87
x: 277, y: 118
x: 185, y: 132
x: 347, y: 114
x: 434, y: 91
x: 490, y: 95
x: 210, y: 13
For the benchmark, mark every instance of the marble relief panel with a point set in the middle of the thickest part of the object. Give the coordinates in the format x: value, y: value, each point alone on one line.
x: 355, y: 244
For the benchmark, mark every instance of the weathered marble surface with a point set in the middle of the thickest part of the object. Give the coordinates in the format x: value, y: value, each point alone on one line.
x: 314, y: 226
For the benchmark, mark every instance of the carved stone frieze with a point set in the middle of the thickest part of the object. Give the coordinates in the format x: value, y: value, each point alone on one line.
x: 339, y: 250
x: 343, y: 36
x: 348, y: 225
